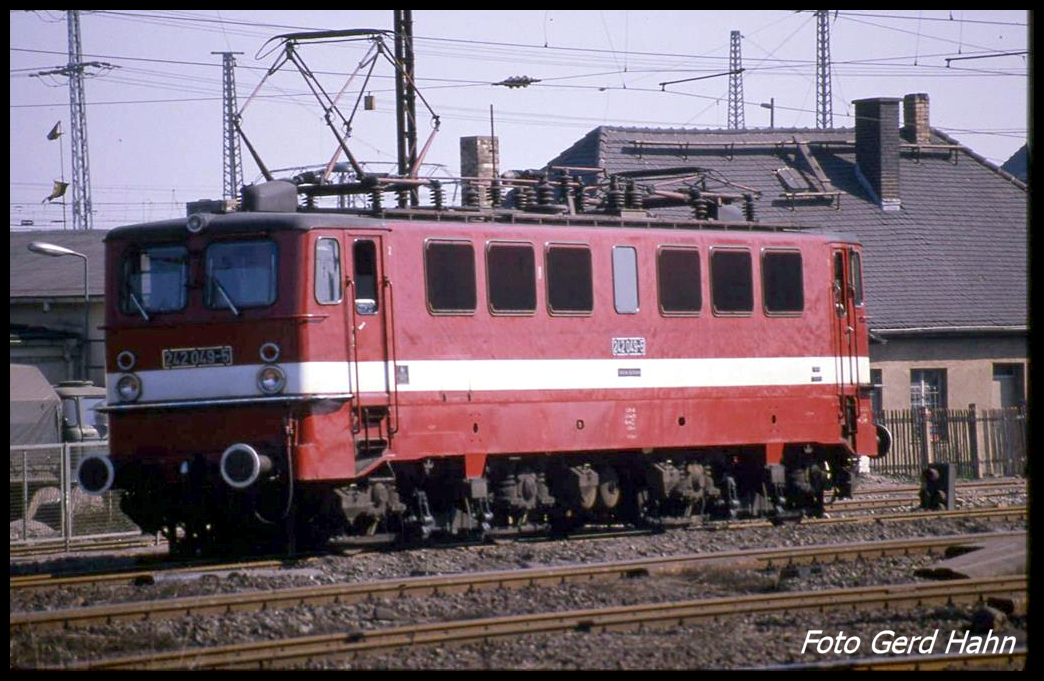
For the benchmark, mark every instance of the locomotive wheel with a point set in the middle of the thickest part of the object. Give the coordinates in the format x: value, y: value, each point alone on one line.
x: 608, y: 488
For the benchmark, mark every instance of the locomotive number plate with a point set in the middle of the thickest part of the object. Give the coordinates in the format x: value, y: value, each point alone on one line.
x: 187, y: 358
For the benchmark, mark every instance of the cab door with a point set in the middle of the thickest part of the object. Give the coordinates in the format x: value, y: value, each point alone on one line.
x: 848, y: 326
x: 369, y: 301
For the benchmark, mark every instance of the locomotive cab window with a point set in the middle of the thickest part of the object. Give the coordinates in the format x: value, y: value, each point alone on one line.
x: 678, y: 276
x: 856, y: 277
x: 154, y: 279
x: 511, y: 269
x: 569, y: 288
x: 625, y: 279
x: 840, y: 296
x: 240, y: 274
x: 364, y: 270
x: 732, y: 287
x: 327, y: 271
x: 782, y: 282
x: 449, y: 269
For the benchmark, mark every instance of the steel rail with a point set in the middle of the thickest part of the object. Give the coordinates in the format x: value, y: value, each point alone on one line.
x: 277, y: 653
x: 131, y: 575
x: 355, y: 592
x: 849, y: 505
x: 966, y: 486
x: 52, y: 580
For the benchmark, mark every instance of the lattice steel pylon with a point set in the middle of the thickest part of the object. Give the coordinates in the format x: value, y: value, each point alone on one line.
x: 83, y: 211
x: 824, y: 108
x: 232, y: 157
x: 735, y: 84
x: 81, y: 171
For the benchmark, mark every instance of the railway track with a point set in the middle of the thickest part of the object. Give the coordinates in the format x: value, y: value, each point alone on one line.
x: 286, y: 652
x: 55, y: 580
x: 475, y: 581
x: 45, y: 548
x: 969, y: 486
x: 856, y: 505
x: 889, y: 497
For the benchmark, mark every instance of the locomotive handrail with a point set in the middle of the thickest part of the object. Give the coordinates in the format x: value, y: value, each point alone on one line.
x: 393, y: 423
x: 349, y: 284
x: 226, y: 402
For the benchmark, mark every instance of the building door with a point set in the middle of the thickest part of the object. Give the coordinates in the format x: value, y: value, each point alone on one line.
x: 1007, y: 386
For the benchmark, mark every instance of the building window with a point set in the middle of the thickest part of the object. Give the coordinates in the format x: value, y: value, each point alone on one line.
x: 732, y: 287
x: 678, y: 276
x: 569, y: 287
x: 450, y: 275
x: 327, y: 271
x: 782, y: 282
x: 511, y: 269
x: 928, y: 388
x: 876, y: 391
x: 625, y: 279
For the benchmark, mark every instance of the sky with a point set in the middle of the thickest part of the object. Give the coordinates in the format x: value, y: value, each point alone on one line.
x: 154, y: 91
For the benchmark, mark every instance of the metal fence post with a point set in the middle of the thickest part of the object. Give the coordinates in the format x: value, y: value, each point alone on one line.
x: 25, y: 494
x: 66, y: 464
x: 973, y: 440
x: 924, y: 434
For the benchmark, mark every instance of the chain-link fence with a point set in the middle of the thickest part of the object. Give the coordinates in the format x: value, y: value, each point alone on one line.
x: 978, y: 442
x: 47, y: 504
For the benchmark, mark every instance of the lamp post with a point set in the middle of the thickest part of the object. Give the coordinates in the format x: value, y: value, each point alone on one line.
x: 771, y: 106
x: 55, y: 251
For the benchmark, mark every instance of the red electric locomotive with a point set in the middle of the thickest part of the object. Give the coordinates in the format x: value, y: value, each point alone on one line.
x: 301, y: 373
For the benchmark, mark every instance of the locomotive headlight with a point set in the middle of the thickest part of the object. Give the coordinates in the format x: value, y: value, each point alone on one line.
x: 128, y: 388
x: 271, y: 380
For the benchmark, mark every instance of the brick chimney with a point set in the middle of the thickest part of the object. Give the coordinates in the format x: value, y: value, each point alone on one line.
x: 877, y: 149
x: 915, y: 118
x: 478, y: 159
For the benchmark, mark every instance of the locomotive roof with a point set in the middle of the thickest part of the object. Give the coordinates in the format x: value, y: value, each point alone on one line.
x: 237, y: 223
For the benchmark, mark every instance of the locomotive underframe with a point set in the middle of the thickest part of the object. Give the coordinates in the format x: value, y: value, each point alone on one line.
x: 515, y: 493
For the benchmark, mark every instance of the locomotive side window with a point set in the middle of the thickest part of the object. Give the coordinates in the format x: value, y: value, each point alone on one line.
x: 569, y: 288
x: 511, y: 269
x: 782, y: 282
x: 449, y: 269
x: 840, y: 298
x: 240, y: 274
x: 327, y: 271
x: 732, y: 287
x: 678, y: 275
x: 856, y: 277
x: 154, y: 280
x: 625, y: 279
x: 364, y: 269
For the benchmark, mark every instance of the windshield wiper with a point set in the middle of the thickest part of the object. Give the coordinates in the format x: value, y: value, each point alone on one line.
x: 224, y: 294
x: 137, y: 304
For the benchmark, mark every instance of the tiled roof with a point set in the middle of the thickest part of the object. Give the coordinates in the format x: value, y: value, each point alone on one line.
x: 954, y: 255
x: 1018, y: 164
x: 37, y: 276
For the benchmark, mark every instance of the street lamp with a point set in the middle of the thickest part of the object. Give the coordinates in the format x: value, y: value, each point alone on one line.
x: 771, y: 106
x: 55, y: 251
